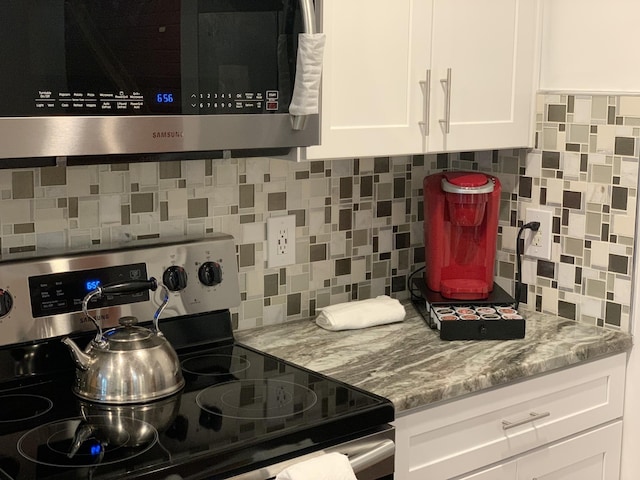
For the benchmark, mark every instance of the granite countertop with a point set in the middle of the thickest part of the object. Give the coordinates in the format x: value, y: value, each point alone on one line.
x: 409, y: 364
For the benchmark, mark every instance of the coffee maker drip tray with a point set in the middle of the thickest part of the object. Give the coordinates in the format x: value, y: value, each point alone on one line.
x: 464, y: 289
x: 492, y: 318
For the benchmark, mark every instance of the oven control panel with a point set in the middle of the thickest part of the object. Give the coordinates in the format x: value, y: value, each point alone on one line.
x: 56, y: 293
x: 42, y: 297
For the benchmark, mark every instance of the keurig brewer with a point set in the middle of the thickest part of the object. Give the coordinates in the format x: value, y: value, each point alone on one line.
x: 458, y: 295
x: 460, y: 229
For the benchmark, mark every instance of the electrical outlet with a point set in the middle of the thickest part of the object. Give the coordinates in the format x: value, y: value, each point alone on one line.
x: 281, y: 241
x: 538, y: 244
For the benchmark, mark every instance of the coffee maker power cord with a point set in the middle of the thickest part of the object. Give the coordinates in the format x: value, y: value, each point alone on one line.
x: 534, y: 226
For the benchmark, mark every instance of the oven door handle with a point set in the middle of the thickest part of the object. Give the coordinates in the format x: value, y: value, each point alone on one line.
x: 377, y: 454
x: 365, y: 453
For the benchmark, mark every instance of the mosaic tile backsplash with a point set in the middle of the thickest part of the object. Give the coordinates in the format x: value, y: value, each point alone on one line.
x: 584, y: 169
x: 359, y: 222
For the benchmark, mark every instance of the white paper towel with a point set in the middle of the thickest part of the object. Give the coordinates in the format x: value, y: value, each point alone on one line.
x: 306, y: 89
x: 361, y: 314
x: 332, y: 466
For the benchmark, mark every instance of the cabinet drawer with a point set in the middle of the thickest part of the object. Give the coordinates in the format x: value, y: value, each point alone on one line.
x: 462, y: 435
x: 594, y: 455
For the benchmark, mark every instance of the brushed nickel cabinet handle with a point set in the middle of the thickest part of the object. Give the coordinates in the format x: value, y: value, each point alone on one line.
x: 506, y: 425
x: 446, y: 83
x: 426, y: 85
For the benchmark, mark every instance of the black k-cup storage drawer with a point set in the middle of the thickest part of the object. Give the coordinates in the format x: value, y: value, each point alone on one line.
x: 473, y: 322
x: 494, y: 318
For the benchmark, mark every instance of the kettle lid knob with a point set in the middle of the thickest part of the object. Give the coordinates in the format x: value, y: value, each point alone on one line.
x: 128, y: 321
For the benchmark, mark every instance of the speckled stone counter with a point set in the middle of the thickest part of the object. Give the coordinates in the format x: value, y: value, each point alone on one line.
x: 407, y: 362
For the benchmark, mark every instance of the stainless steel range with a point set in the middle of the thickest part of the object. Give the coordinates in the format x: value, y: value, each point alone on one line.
x: 241, y: 414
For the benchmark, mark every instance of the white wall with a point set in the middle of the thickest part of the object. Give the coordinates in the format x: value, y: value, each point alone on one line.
x: 591, y: 46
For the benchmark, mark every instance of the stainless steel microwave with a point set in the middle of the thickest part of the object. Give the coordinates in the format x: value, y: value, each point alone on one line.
x: 95, y: 78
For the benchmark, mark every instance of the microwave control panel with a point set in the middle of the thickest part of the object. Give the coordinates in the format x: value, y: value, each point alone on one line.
x: 209, y: 103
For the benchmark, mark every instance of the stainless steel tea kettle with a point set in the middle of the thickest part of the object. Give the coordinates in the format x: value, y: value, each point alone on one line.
x: 126, y: 364
x: 118, y: 426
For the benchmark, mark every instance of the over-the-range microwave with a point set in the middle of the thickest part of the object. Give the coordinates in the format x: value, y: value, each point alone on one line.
x: 90, y: 79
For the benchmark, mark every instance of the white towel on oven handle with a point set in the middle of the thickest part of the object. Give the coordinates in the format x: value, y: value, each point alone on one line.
x: 361, y: 314
x: 331, y: 466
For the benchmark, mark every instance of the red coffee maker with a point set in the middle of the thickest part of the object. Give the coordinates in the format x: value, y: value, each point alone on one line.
x: 460, y: 229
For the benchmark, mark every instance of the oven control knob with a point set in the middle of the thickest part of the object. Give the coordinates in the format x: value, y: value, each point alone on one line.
x: 210, y: 273
x: 6, y: 302
x: 175, y: 278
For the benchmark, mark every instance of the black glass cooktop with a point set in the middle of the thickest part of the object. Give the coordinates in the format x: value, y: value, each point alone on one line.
x: 240, y: 409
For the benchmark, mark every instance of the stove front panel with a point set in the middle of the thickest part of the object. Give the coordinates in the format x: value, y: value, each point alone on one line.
x: 41, y: 298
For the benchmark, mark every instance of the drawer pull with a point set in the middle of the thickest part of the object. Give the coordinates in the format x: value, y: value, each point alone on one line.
x: 506, y: 424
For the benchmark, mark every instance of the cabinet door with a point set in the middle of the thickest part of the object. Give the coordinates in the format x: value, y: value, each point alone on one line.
x: 490, y: 47
x: 594, y: 455
x: 503, y: 471
x: 591, y: 456
x: 376, y: 55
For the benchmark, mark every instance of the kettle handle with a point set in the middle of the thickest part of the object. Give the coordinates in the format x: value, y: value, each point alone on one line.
x: 120, y: 288
x: 131, y: 286
x: 165, y: 300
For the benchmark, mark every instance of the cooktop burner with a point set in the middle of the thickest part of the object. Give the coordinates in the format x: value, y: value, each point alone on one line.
x: 257, y: 399
x: 215, y: 365
x: 18, y: 408
x: 87, y: 442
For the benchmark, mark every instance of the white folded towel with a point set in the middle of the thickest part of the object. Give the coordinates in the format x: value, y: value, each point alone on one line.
x: 332, y: 466
x: 361, y: 314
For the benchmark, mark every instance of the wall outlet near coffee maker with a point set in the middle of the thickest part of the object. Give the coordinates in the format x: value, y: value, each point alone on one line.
x: 538, y: 244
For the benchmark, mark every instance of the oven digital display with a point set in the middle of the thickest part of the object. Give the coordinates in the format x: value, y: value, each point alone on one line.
x: 91, y: 285
x: 59, y: 293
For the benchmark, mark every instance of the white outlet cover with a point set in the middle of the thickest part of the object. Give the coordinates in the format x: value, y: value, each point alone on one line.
x: 543, y: 250
x: 281, y: 241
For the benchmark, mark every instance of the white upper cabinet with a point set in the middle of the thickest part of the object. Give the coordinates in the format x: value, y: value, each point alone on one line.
x: 383, y: 91
x: 588, y: 46
x: 374, y: 55
x: 489, y: 48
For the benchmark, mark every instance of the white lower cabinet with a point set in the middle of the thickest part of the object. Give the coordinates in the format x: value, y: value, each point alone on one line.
x: 502, y: 471
x: 563, y: 425
x: 594, y: 455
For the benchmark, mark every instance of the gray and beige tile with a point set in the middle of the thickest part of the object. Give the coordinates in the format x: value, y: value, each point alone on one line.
x: 359, y: 222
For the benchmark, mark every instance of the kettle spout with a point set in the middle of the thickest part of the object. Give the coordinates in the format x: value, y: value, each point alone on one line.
x: 81, y: 358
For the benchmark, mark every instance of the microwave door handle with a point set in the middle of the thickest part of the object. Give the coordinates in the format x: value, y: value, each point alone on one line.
x: 308, y: 16
x: 306, y: 95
